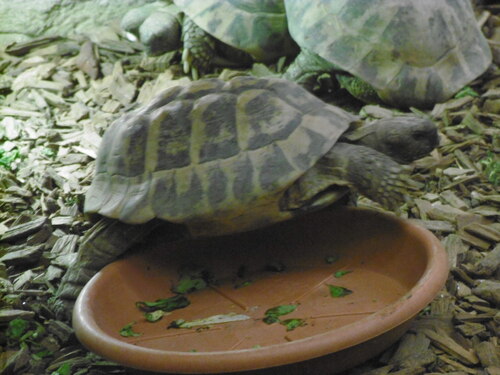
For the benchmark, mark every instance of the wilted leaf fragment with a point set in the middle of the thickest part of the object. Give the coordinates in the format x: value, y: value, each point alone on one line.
x: 128, y: 331
x: 214, y: 319
x: 272, y: 315
x: 466, y: 91
x: 8, y: 157
x: 165, y: 304
x: 338, y: 291
x: 64, y: 369
x: 192, y: 278
x: 491, y: 168
x: 188, y: 285
x: 291, y: 324
x: 154, y: 316
x: 17, y: 328
x: 341, y: 273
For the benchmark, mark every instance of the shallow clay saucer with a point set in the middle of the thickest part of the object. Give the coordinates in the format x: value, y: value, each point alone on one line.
x: 388, y: 269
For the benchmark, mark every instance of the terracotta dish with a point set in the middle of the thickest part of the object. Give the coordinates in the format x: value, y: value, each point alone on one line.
x: 392, y: 267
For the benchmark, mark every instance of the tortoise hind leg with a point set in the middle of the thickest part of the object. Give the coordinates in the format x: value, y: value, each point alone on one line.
x: 371, y: 173
x: 101, y: 245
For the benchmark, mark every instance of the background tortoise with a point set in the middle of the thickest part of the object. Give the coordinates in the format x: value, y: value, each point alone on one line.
x: 215, y: 32
x: 216, y: 157
x: 413, y: 53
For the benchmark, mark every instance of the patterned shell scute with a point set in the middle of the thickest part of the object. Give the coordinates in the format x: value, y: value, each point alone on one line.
x: 411, y: 52
x: 258, y: 27
x: 212, y: 151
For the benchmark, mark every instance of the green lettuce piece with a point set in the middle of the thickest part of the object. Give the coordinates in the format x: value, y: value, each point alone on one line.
x: 341, y: 273
x: 154, y: 316
x: 128, y: 331
x: 272, y: 315
x: 338, y: 291
x: 165, y: 304
x: 291, y: 324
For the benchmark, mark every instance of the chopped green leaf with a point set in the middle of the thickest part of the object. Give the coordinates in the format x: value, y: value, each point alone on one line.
x: 8, y: 157
x: 128, y: 331
x: 64, y: 369
x: 43, y: 354
x: 338, y: 291
x: 272, y: 315
x: 188, y: 285
x: 192, y: 278
x: 154, y: 316
x: 341, y: 273
x: 165, y: 304
x: 491, y: 168
x: 48, y: 152
x: 17, y: 328
x: 291, y: 324
x: 466, y: 91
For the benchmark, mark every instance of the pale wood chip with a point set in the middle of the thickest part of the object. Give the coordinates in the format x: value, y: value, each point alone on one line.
x: 489, y: 265
x: 445, y: 212
x: 441, y: 339
x: 489, y: 290
x: 488, y: 354
x: 119, y: 86
x: 457, y: 366
x: 435, y: 225
x: 487, y: 232
x: 493, y: 370
x: 24, y: 230
x: 413, y: 351
x: 87, y: 61
x: 22, y: 255
x: 452, y: 198
x: 6, y: 315
x: 455, y: 248
x: 5, y: 111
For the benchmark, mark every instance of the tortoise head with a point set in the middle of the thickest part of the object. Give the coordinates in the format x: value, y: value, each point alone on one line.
x: 404, y: 138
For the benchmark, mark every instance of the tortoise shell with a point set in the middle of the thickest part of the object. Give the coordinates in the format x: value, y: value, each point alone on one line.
x: 214, y: 155
x: 258, y: 27
x: 414, y: 53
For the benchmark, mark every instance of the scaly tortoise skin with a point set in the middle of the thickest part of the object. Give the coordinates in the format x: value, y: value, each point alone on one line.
x: 413, y: 53
x: 215, y: 157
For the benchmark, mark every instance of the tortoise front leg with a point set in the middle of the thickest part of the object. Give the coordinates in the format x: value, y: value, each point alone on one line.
x: 307, y: 69
x: 101, y: 245
x: 358, y: 88
x: 198, y: 49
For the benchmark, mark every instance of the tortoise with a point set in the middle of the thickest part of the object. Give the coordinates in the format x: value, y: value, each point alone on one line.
x: 214, y: 157
x: 405, y: 53
x: 215, y: 32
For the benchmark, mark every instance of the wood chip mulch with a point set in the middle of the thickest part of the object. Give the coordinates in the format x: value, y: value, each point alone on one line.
x: 57, y: 97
